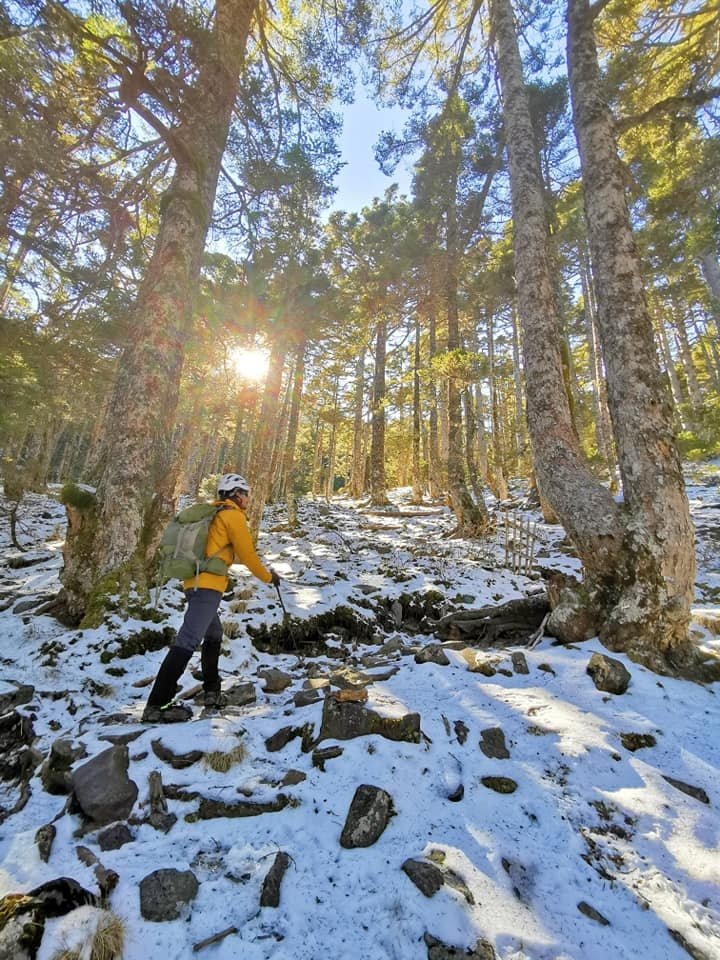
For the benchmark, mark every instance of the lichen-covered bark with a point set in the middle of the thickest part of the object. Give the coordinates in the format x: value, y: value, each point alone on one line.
x: 586, y: 509
x: 260, y: 475
x: 653, y: 612
x: 136, y: 444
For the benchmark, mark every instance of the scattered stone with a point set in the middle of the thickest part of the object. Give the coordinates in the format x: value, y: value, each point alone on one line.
x: 270, y: 896
x: 162, y: 893
x: 213, y: 809
x: 461, y: 731
x: 594, y: 914
x: 427, y: 877
x: 316, y: 683
x: 323, y: 754
x: 396, y: 609
x: 55, y: 773
x: 546, y: 668
x: 240, y: 694
x: 636, y: 741
x: 23, y: 915
x: 27, y: 560
x: 344, y: 721
x: 608, y: 674
x: 391, y: 646
x: 102, y: 787
x: 519, y: 662
x: 432, y: 653
x: 115, y: 836
x: 23, y: 693
x: 350, y: 696
x: 437, y: 950
x: 292, y: 778
x: 281, y: 738
x: 306, y: 698
x: 492, y: 744
x: 160, y: 819
x: 18, y: 759
x: 499, y: 784
x: 696, y: 792
x: 367, y: 818
x: 44, y: 838
x: 275, y: 680
x: 178, y: 761
x: 124, y: 737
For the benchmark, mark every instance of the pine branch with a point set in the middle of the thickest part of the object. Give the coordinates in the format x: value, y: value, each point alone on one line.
x: 669, y: 105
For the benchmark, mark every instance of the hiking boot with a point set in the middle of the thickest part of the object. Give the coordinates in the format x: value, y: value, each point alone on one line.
x: 170, y: 713
x: 214, y: 699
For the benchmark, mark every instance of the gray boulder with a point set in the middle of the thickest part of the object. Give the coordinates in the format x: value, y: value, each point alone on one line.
x: 102, y: 787
x: 608, y: 674
x: 369, y: 814
x: 55, y: 772
x: 275, y: 680
x: 492, y: 744
x: 347, y: 720
x: 432, y: 653
x: 163, y: 893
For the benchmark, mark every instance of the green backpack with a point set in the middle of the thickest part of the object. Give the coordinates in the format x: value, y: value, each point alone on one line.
x: 183, y: 544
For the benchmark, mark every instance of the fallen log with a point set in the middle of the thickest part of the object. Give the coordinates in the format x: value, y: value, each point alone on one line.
x: 503, y: 625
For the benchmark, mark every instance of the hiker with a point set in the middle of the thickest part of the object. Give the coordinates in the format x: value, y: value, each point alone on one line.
x: 229, y: 539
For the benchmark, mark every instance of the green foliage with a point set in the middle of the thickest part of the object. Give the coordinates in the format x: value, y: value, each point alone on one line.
x: 72, y: 495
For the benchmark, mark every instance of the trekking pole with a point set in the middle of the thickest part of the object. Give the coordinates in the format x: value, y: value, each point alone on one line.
x: 282, y: 604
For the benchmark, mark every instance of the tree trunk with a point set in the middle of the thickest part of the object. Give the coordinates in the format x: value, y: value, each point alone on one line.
x: 135, y: 454
x: 435, y: 485
x: 289, y: 468
x: 586, y: 509
x: 418, y: 487
x: 500, y: 488
x: 357, y: 479
x: 378, y: 491
x: 265, y: 432
x: 651, y: 616
x: 332, y: 445
x: 472, y: 518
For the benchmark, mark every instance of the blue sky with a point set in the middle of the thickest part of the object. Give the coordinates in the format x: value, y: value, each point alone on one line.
x: 361, y: 179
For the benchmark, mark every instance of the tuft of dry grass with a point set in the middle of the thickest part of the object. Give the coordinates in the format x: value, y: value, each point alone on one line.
x: 109, y: 938
x: 221, y: 762
x: 67, y: 955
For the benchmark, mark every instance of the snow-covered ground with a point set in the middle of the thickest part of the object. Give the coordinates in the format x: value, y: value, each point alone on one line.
x: 591, y: 822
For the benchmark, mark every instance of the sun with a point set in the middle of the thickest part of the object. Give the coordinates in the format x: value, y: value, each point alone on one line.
x: 249, y: 363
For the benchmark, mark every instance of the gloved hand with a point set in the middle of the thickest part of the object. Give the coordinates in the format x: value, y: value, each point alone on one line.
x: 275, y: 578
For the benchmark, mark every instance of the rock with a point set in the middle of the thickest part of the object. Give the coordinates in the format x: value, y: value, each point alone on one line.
x: 178, y: 761
x: 350, y: 696
x: 240, y: 694
x: 212, y: 809
x: 23, y: 915
x: 163, y: 892
x: 292, y: 778
x: 636, y: 741
x: 114, y: 837
x: 592, y: 913
x: 432, y: 653
x: 306, y: 698
x: 320, y: 756
x: 275, y: 680
x: 608, y: 674
x: 461, y: 731
x: 393, y: 645
x: 102, y: 787
x: 344, y: 721
x: 9, y: 699
x: 369, y: 814
x: 55, y: 772
x: 44, y: 838
x: 696, y: 792
x: 316, y: 683
x: 22, y: 606
x: 397, y: 612
x: 492, y: 744
x: 427, y: 877
x: 27, y: 560
x: 270, y: 896
x: 519, y: 662
x: 437, y: 950
x: 18, y: 759
x: 499, y: 784
x: 281, y: 738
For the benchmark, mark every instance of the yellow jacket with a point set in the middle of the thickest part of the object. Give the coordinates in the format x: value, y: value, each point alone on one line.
x: 229, y: 538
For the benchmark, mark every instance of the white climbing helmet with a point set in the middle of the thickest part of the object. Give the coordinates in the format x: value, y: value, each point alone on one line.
x: 230, y: 483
